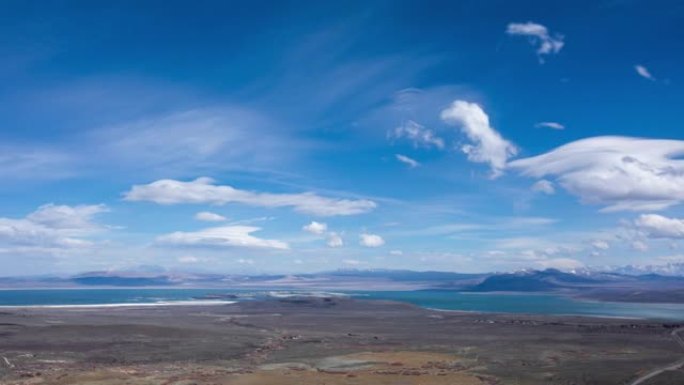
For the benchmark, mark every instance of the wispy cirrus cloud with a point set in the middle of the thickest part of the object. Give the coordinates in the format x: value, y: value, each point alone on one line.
x: 26, y: 162
x: 178, y: 142
x: 412, y: 163
x: 494, y: 225
x: 184, y: 141
x: 205, y: 191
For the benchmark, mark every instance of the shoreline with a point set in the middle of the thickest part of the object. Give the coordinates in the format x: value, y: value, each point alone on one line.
x: 660, y: 312
x: 124, y: 304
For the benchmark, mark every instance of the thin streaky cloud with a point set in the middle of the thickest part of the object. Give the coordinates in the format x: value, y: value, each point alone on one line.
x: 412, y: 163
x: 224, y: 236
x: 551, y: 125
x: 644, y: 72
x: 205, y: 191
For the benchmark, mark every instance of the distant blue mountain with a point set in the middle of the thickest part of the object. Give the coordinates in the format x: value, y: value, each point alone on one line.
x: 122, y: 281
x: 611, y: 285
x: 545, y: 280
x: 404, y: 275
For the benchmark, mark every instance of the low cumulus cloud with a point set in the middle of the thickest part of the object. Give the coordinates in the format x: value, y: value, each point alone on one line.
x: 544, y: 186
x: 52, y: 227
x: 417, y: 134
x: 566, y: 264
x: 539, y: 36
x: 371, y: 240
x: 658, y: 226
x: 316, y: 228
x: 207, y: 216
x: 487, y: 145
x: 334, y: 240
x: 188, y: 259
x: 600, y: 245
x: 639, y: 246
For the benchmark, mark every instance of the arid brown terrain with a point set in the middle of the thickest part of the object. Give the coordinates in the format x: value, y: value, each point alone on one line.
x: 326, y: 341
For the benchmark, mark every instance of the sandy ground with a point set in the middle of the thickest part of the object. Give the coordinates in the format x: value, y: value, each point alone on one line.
x: 324, y: 341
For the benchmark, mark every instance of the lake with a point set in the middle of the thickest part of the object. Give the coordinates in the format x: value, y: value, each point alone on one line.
x: 550, y: 304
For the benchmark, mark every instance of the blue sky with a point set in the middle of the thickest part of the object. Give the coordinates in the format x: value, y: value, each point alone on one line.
x: 305, y: 136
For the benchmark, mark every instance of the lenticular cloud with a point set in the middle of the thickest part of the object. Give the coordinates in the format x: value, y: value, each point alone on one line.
x: 621, y: 173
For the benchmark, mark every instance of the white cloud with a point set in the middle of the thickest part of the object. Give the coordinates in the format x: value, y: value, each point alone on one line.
x: 67, y: 217
x: 538, y: 36
x: 544, y: 186
x: 52, y: 227
x: 396, y: 252
x: 314, y: 227
x: 418, y: 134
x: 182, y: 141
x: 352, y: 262
x: 204, y: 191
x: 371, y: 240
x: 188, y: 259
x: 407, y: 161
x: 207, y: 216
x: 567, y: 264
x: 245, y: 261
x: 334, y: 240
x: 224, y: 236
x: 34, y: 162
x: 658, y: 226
x: 600, y: 245
x: 497, y: 225
x: 488, y: 145
x: 639, y: 246
x: 621, y: 173
x: 644, y: 72
x: 551, y: 125
x: 177, y: 143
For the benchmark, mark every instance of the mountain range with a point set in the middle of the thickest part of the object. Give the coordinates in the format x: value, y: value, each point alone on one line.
x: 631, y: 284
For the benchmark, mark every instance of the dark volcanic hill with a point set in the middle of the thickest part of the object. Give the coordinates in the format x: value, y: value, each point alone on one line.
x: 539, y: 281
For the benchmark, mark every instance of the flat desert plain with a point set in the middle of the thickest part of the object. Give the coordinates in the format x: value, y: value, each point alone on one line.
x: 328, y: 341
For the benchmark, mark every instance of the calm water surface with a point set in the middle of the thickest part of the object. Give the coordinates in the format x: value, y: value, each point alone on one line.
x: 435, y: 299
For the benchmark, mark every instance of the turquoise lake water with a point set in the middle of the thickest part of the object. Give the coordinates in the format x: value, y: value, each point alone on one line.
x: 435, y: 299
